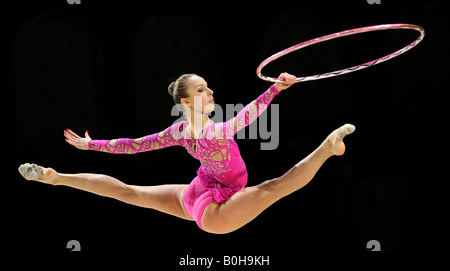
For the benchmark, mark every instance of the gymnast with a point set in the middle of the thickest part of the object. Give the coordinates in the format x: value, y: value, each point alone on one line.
x: 217, y: 199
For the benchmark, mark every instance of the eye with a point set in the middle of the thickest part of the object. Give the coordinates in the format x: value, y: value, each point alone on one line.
x: 200, y: 90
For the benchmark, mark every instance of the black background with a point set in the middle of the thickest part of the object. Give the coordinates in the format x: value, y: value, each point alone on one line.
x: 105, y: 67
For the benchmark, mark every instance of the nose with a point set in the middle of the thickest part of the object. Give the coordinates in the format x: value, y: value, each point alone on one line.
x: 211, y: 92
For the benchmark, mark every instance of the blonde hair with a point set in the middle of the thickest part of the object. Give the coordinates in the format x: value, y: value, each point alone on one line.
x: 178, y: 89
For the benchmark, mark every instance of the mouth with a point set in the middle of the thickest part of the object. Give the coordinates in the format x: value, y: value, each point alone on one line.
x: 211, y: 101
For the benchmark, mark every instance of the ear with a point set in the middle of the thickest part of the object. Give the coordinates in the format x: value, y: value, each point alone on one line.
x: 185, y: 102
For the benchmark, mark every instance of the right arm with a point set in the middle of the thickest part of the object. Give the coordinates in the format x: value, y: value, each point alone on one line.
x: 123, y: 145
x: 254, y: 109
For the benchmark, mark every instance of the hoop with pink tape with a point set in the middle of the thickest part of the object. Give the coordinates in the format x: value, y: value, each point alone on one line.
x: 339, y: 35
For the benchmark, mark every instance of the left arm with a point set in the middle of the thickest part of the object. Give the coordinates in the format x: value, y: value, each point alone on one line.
x: 126, y: 145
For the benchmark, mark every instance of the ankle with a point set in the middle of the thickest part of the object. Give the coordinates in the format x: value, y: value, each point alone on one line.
x: 328, y: 146
x: 56, y: 180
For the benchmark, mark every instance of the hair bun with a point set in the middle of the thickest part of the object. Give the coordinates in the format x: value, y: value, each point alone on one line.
x: 171, y: 88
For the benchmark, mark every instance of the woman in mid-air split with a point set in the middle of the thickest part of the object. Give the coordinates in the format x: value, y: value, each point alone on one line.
x: 217, y: 199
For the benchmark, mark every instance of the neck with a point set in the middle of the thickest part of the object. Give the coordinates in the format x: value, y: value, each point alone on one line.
x: 197, y: 121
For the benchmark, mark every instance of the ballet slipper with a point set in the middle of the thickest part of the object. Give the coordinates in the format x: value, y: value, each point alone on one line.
x: 338, y: 144
x: 33, y: 172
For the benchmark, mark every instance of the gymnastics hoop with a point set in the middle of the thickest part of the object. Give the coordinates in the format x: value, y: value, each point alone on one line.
x: 339, y: 35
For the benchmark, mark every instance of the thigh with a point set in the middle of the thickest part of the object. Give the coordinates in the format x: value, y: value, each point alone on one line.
x: 239, y: 209
x: 164, y: 198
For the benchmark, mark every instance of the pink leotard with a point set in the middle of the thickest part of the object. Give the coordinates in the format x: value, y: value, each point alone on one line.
x: 222, y: 172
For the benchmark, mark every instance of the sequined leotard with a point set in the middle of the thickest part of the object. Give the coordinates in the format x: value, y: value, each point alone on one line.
x: 222, y: 172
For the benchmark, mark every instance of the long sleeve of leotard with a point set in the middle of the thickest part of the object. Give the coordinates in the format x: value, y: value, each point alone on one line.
x: 164, y: 139
x: 250, y: 112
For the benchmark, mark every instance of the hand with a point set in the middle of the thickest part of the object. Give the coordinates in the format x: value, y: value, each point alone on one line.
x: 73, y: 139
x: 289, y: 80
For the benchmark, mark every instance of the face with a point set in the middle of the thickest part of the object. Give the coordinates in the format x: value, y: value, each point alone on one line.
x: 200, y: 96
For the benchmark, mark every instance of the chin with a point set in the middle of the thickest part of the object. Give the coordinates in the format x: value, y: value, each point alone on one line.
x: 208, y: 108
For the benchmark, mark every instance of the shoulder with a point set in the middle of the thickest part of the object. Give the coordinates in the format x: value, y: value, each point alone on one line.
x: 175, y: 130
x: 178, y: 126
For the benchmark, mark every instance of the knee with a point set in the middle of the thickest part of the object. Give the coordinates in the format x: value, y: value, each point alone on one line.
x: 128, y: 194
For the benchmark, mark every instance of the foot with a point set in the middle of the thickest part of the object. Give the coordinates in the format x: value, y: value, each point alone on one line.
x: 33, y: 172
x: 336, y: 138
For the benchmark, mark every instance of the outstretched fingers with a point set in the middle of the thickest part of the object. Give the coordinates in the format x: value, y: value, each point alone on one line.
x: 75, y: 140
x: 69, y: 134
x: 71, y: 137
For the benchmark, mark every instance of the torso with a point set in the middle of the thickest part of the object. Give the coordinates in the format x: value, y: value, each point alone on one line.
x: 218, y: 156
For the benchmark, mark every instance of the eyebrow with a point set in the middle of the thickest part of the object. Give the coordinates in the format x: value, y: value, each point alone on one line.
x: 199, y: 85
